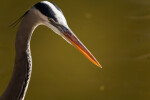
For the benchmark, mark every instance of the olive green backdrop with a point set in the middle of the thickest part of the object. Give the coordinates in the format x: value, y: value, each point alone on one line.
x: 117, y: 32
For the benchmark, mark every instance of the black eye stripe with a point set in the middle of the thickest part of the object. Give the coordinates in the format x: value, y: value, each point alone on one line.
x: 46, y: 10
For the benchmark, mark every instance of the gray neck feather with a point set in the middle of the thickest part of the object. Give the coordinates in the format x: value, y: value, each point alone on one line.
x: 23, y: 62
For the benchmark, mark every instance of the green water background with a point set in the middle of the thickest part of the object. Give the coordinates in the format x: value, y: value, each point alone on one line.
x: 117, y: 32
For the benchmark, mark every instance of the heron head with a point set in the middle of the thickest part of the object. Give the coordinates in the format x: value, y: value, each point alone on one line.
x: 52, y: 16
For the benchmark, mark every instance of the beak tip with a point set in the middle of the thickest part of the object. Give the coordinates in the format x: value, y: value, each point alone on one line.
x: 78, y: 44
x: 99, y: 65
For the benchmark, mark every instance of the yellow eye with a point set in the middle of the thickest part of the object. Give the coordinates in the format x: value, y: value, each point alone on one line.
x: 51, y: 20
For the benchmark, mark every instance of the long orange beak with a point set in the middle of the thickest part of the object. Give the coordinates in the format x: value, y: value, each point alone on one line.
x: 70, y: 37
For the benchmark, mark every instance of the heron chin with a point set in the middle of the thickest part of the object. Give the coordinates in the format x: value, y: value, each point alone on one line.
x: 42, y: 13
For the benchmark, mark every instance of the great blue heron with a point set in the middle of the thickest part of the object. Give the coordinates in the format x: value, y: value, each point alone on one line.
x: 42, y: 13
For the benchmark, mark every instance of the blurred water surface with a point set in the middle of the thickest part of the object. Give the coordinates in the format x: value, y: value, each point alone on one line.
x: 117, y: 32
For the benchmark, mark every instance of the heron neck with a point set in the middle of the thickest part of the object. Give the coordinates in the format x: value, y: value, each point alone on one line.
x: 17, y: 87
